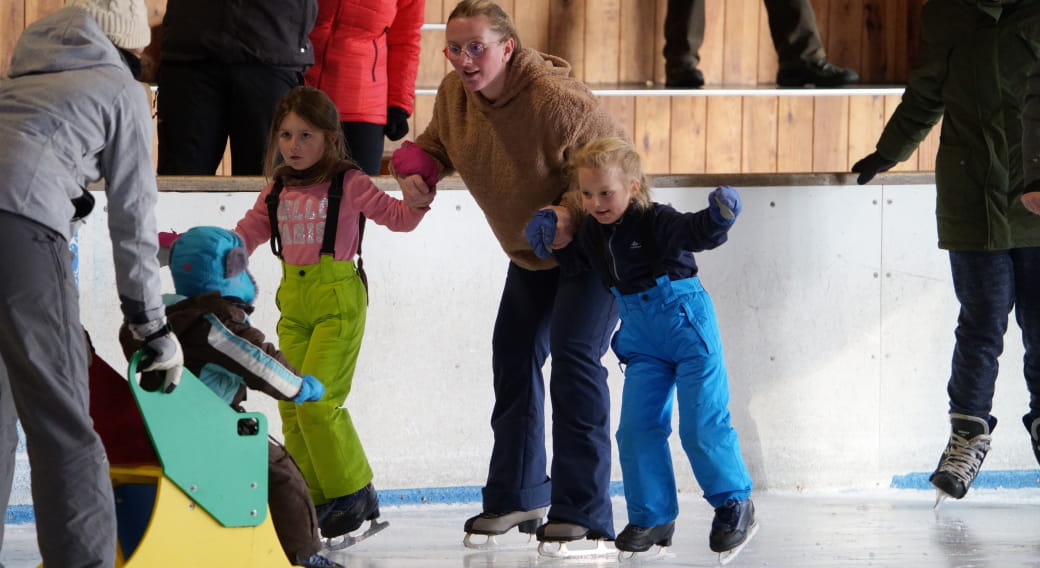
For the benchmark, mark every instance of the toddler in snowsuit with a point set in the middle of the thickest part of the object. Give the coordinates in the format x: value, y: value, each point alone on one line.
x: 210, y: 316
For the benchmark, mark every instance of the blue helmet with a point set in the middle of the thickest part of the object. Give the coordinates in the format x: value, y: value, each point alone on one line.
x: 211, y: 259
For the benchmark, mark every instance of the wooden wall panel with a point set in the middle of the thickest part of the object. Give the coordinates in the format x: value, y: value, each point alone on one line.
x: 532, y: 22
x: 723, y: 134
x: 795, y: 134
x: 713, y: 51
x: 759, y: 135
x: 602, y: 54
x: 12, y: 22
x: 845, y: 46
x: 831, y: 134
x: 740, y: 33
x: 767, y: 60
x: 866, y: 121
x: 638, y: 53
x: 567, y: 33
x: 689, y: 133
x: 623, y: 110
x: 652, y: 133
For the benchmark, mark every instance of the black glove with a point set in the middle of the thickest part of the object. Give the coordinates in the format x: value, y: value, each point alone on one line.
x: 870, y: 166
x: 396, y: 123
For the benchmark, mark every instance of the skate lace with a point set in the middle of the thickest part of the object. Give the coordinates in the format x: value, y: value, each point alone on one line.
x: 963, y: 457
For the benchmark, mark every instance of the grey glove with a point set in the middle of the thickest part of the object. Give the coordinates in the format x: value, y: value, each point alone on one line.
x: 162, y: 351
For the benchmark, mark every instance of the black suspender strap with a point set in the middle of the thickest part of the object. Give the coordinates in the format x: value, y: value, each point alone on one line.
x: 328, y: 239
x: 272, y: 216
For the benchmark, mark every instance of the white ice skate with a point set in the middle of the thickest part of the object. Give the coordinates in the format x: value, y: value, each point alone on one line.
x: 493, y: 525
x: 555, y: 539
x: 655, y: 553
x: 727, y: 556
x: 347, y: 540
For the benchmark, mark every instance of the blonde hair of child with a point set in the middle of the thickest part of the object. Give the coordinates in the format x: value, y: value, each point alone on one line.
x: 501, y: 22
x: 314, y: 107
x: 610, y: 152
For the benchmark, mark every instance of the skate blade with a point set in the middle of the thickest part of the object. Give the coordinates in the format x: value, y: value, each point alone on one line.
x: 559, y: 549
x: 940, y: 496
x: 346, y: 541
x: 656, y: 552
x: 491, y: 543
x: 731, y: 554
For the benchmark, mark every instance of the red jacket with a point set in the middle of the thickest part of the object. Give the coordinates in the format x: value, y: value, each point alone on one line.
x: 366, y: 55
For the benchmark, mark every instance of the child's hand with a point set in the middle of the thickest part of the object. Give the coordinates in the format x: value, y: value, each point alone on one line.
x: 541, y: 231
x: 1032, y: 201
x: 724, y: 205
x: 564, y: 227
x: 311, y: 390
x: 417, y: 195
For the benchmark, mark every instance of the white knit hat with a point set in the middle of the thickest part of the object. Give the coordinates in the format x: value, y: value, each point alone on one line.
x: 125, y: 22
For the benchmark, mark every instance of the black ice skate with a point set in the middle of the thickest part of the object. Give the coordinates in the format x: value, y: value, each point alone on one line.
x: 554, y: 536
x: 344, y: 515
x: 494, y: 524
x: 1032, y: 424
x: 733, y: 527
x: 962, y: 458
x: 635, y: 539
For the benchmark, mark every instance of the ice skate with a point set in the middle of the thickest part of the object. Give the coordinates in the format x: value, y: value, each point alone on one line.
x: 733, y: 527
x: 1032, y: 424
x: 962, y: 458
x: 641, y: 544
x: 493, y: 524
x: 554, y: 537
x: 344, y: 515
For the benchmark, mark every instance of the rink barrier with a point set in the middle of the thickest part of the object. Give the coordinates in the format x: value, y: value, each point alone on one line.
x: 237, y: 184
x: 1007, y: 479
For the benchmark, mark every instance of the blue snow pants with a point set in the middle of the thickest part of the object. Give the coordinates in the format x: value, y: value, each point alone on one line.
x: 566, y: 312
x: 669, y: 343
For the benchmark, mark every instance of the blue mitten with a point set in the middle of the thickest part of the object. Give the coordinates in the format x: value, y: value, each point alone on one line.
x: 540, y: 232
x: 724, y: 205
x: 311, y: 390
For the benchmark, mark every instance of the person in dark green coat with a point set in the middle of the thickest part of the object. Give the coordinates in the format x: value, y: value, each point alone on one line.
x: 975, y: 60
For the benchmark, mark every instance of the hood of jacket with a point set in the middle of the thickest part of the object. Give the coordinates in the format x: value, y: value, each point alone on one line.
x: 211, y: 259
x: 526, y: 67
x: 66, y: 40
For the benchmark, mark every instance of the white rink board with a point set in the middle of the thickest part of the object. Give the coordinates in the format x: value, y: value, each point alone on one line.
x: 835, y: 306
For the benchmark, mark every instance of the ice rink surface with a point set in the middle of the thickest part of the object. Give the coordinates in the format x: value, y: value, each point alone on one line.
x: 989, y: 528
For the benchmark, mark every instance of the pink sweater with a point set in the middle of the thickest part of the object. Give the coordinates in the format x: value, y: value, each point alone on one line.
x: 301, y: 218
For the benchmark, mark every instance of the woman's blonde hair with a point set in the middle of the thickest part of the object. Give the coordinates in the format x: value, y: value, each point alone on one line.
x: 610, y: 152
x: 501, y: 22
x: 315, y: 107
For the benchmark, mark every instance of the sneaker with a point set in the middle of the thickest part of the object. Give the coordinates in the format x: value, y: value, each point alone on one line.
x: 1033, y: 425
x: 962, y: 458
x: 732, y: 522
x: 639, y: 539
x: 347, y: 513
x: 500, y: 523
x: 819, y: 73
x: 319, y: 561
x: 683, y: 76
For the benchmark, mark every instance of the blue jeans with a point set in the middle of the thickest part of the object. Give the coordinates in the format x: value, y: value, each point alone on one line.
x: 669, y: 341
x: 988, y: 285
x: 570, y: 314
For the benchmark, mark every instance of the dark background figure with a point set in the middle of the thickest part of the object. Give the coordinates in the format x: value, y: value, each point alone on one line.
x: 975, y: 60
x: 792, y: 23
x: 224, y: 65
x: 366, y: 59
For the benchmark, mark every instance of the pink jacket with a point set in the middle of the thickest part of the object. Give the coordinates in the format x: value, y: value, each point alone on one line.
x: 301, y: 218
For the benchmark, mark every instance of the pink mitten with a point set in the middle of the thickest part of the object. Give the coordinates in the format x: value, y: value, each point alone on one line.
x: 410, y: 159
x: 166, y: 238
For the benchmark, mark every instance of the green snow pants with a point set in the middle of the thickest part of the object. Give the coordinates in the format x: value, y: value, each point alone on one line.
x: 322, y: 321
